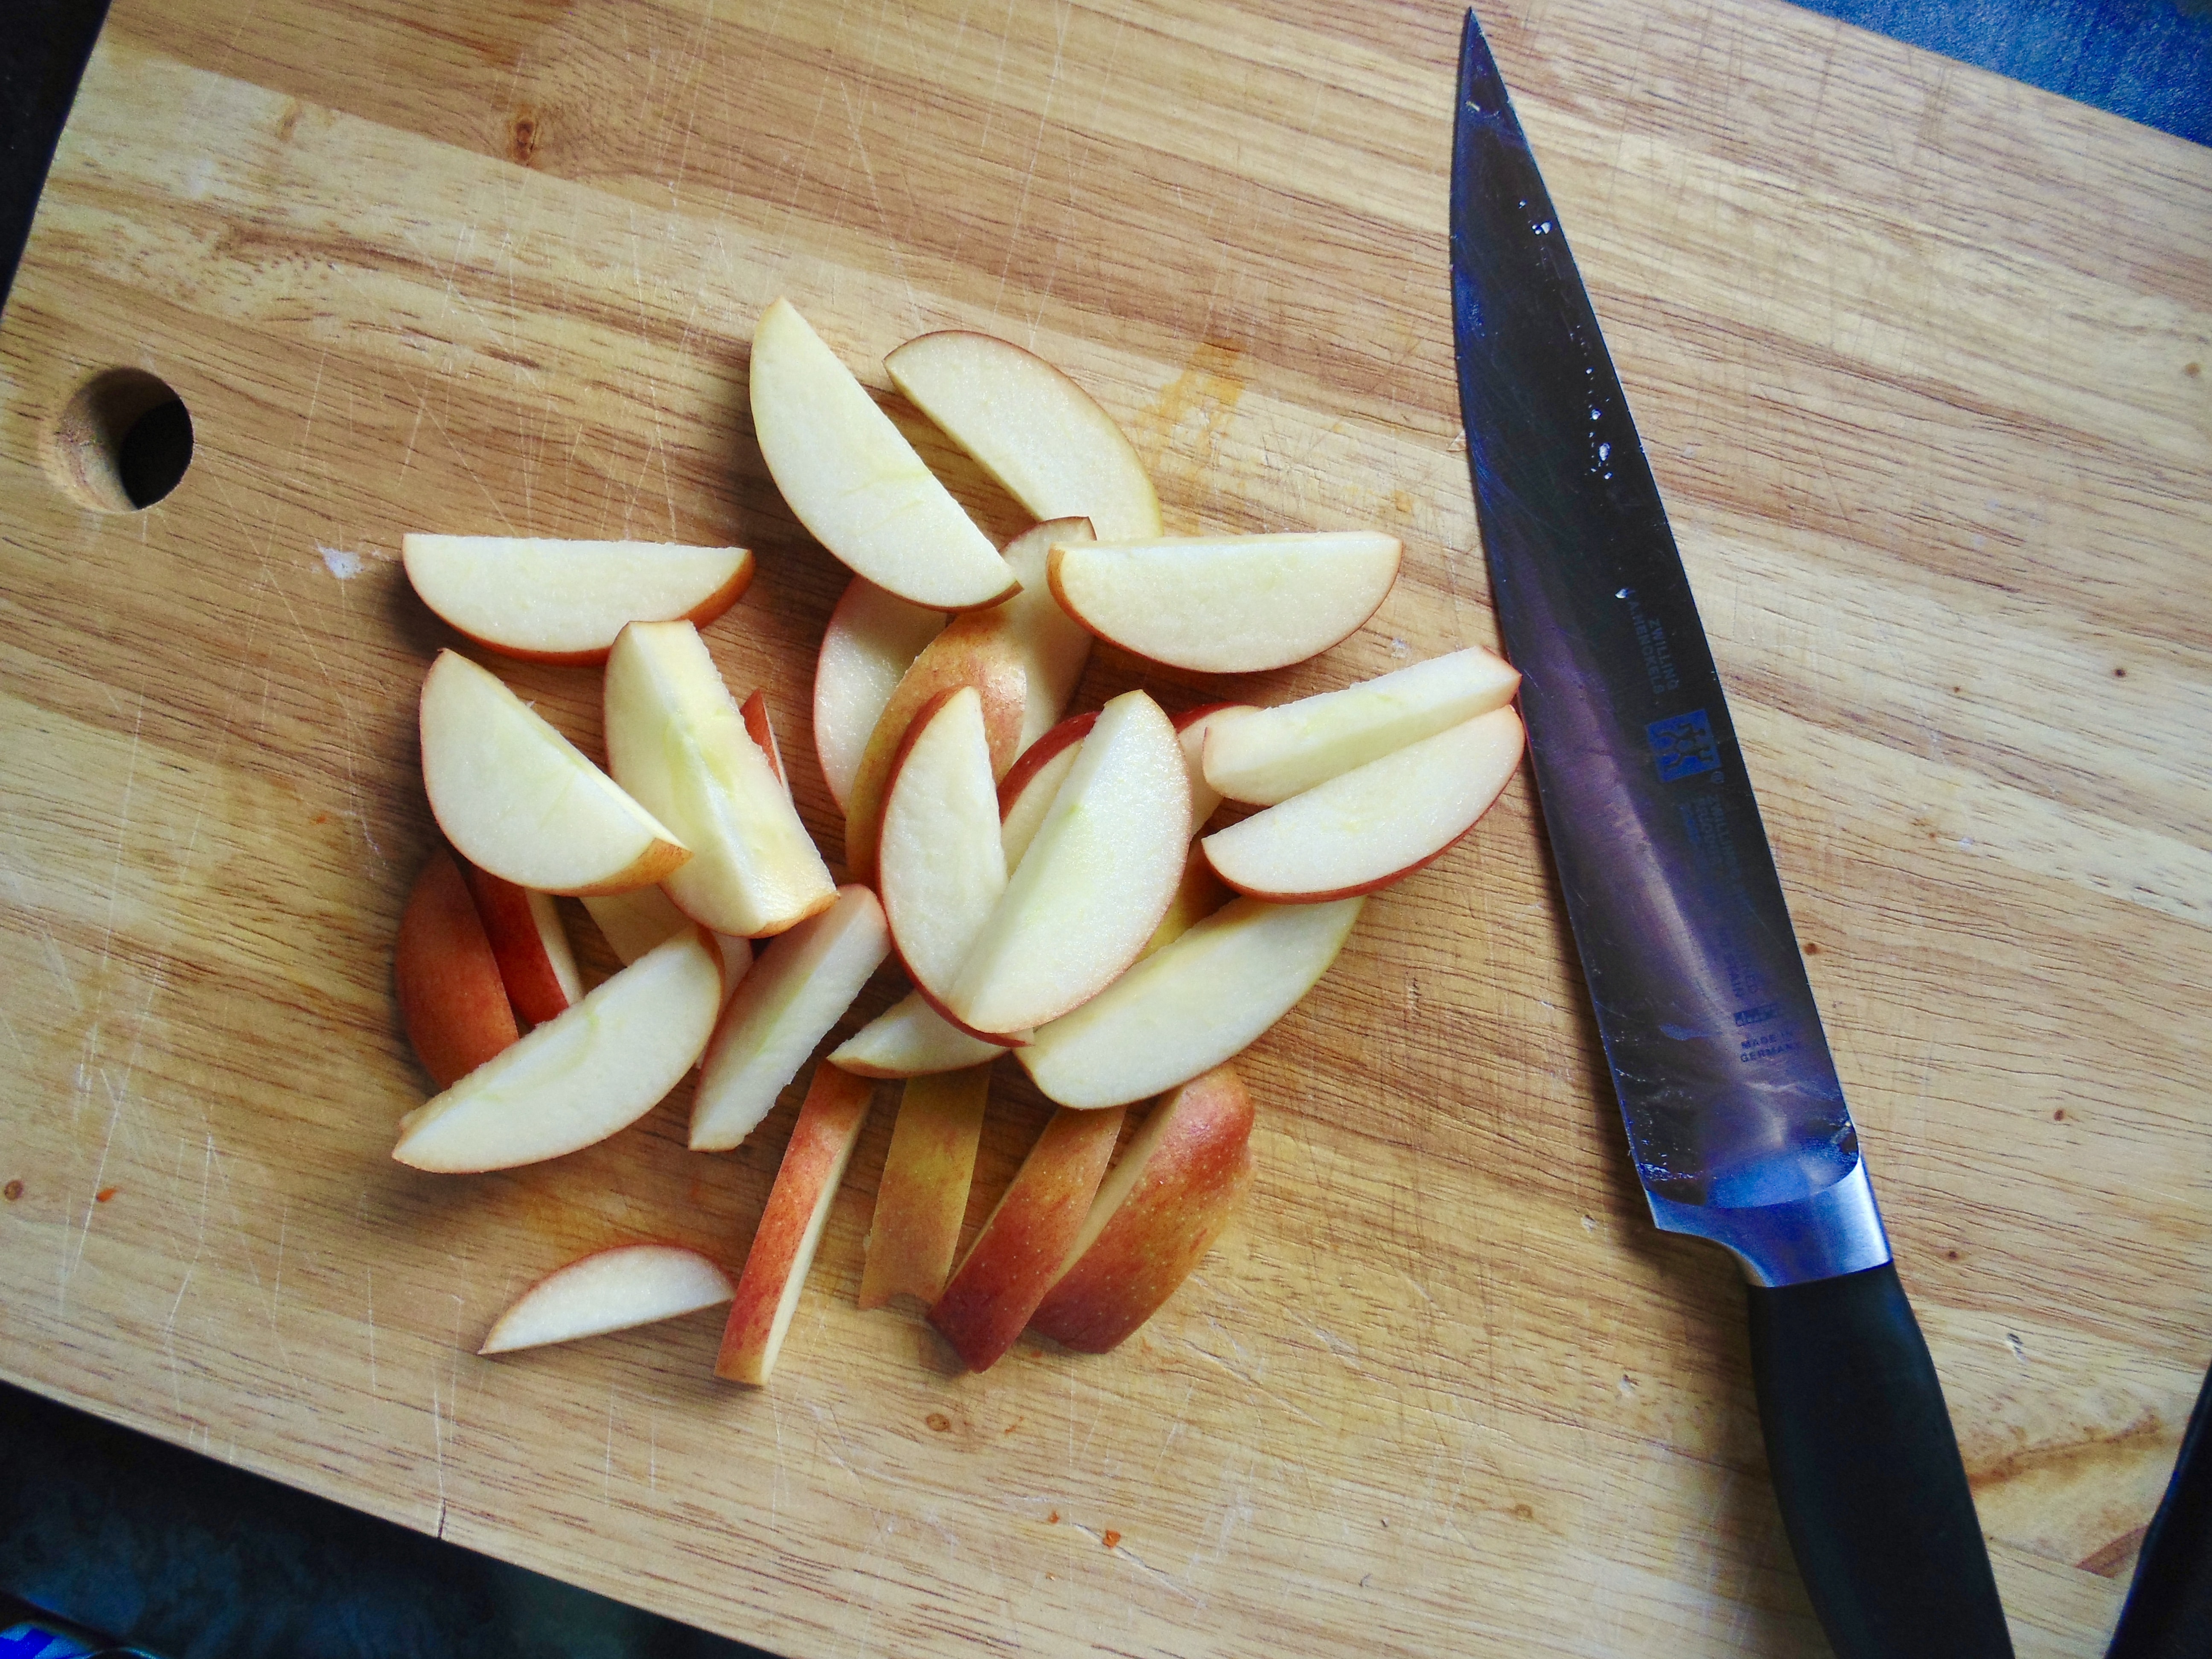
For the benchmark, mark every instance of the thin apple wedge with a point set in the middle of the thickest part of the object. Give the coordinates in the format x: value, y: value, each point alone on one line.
x: 1093, y: 884
x: 854, y: 481
x: 677, y: 741
x: 1280, y: 753
x: 872, y: 639
x: 1194, y: 726
x: 518, y: 800
x: 1227, y: 605
x: 1190, y: 1005
x: 1014, y: 1260
x: 790, y: 1230
x: 1040, y: 436
x: 577, y: 1080
x: 1177, y: 1184
x: 1026, y: 795
x: 1053, y: 645
x: 923, y: 1195
x: 535, y: 960
x: 451, y: 995
x: 939, y: 863
x: 799, y: 987
x: 564, y: 602
x: 1197, y: 895
x: 617, y: 1289
x: 633, y: 922
x: 1375, y: 824
x: 912, y: 1039
x: 754, y: 711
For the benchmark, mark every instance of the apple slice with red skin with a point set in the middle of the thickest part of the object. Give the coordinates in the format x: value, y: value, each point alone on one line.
x: 1192, y: 727
x: 1026, y: 792
x: 923, y: 1195
x: 451, y: 993
x: 564, y: 601
x: 1375, y: 824
x: 535, y: 960
x: 616, y: 1289
x: 939, y: 861
x: 1227, y: 605
x: 1055, y: 647
x: 872, y: 639
x: 852, y: 478
x: 516, y: 798
x: 754, y: 713
x: 799, y: 987
x: 1023, y: 1245
x: 912, y: 1039
x: 576, y: 1080
x: 1177, y: 1184
x: 790, y: 1230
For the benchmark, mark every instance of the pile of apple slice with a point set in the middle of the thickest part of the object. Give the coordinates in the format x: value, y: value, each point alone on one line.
x: 1048, y: 883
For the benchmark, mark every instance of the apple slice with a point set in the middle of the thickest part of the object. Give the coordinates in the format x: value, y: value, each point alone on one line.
x: 754, y: 711
x: 1369, y: 827
x: 912, y: 1039
x: 611, y: 1290
x: 1283, y: 752
x: 872, y: 639
x: 518, y: 800
x: 1040, y: 436
x: 923, y: 1195
x: 577, y: 1080
x: 535, y: 959
x: 790, y: 1230
x: 1227, y: 605
x: 564, y: 602
x: 979, y: 651
x: 1190, y: 1005
x: 1053, y: 645
x: 799, y: 989
x: 1020, y: 1251
x: 1178, y: 1183
x: 1192, y: 728
x: 677, y: 740
x: 853, y: 480
x: 1197, y: 895
x: 1093, y: 884
x: 939, y: 862
x: 451, y: 993
x: 1026, y: 794
x: 635, y: 921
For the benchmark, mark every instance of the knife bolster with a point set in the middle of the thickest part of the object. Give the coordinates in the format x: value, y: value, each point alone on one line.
x: 1837, y: 1231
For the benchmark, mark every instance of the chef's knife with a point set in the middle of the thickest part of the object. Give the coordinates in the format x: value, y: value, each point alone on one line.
x: 1735, y: 1118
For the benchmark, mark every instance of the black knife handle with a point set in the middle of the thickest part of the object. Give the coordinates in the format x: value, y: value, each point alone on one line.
x: 1873, y: 1493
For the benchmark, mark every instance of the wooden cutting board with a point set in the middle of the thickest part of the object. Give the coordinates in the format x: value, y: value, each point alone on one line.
x: 1918, y: 356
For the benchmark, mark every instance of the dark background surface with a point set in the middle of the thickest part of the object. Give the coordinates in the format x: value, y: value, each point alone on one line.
x: 189, y: 1557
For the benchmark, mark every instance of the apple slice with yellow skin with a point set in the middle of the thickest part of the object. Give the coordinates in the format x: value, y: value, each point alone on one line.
x: 564, y: 601
x: 535, y: 960
x: 1375, y: 824
x: 1189, y: 1006
x: 617, y: 1289
x: 800, y: 986
x: 677, y: 741
x: 939, y: 860
x: 912, y: 1039
x: 923, y: 1195
x: 1227, y: 605
x: 855, y: 482
x: 1026, y: 792
x: 790, y: 1230
x: 516, y: 798
x: 451, y: 993
x: 1157, y: 1214
x: 1055, y: 647
x: 979, y: 651
x: 1025, y: 422
x: 872, y: 639
x: 1192, y: 728
x: 577, y: 1080
x: 1286, y: 750
x: 1093, y: 884
x: 1027, y: 1240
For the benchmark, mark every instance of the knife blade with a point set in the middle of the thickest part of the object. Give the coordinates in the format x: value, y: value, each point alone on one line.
x: 1735, y: 1118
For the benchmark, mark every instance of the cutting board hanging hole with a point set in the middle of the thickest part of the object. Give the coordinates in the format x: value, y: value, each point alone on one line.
x: 122, y: 442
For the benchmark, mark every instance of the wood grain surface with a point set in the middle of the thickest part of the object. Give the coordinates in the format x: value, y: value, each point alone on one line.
x: 1918, y: 355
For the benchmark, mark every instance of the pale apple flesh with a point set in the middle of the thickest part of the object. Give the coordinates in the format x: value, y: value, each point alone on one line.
x: 912, y: 1039
x: 1227, y: 605
x: 872, y: 639
x: 1176, y: 1185
x: 535, y: 960
x: 1375, y: 824
x: 923, y: 1195
x: 452, y: 996
x: 799, y: 987
x: 580, y: 1078
x: 564, y: 601
x: 633, y: 922
x: 1055, y: 647
x: 617, y: 1289
x: 1280, y: 753
x: 851, y: 478
x: 1197, y: 895
x: 1194, y: 728
x: 1020, y: 1251
x: 1026, y: 794
x: 516, y: 798
x: 790, y: 1230
x: 939, y: 863
x: 754, y: 711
